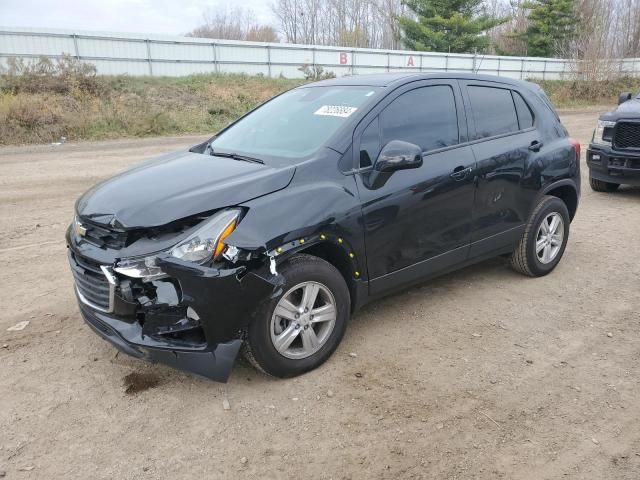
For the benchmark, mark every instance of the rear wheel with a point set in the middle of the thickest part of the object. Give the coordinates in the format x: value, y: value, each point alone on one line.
x: 600, y: 186
x: 299, y: 330
x: 544, y: 239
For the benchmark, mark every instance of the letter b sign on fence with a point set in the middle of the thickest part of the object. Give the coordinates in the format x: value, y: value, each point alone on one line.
x: 344, y: 58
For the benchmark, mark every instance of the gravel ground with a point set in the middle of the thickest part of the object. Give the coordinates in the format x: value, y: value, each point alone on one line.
x: 482, y: 373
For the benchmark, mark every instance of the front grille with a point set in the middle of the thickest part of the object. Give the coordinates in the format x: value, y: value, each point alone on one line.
x: 91, y: 283
x: 627, y: 135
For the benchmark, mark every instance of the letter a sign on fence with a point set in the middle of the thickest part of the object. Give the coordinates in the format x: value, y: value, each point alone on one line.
x: 410, y: 61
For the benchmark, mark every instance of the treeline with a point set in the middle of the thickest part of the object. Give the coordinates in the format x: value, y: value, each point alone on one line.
x: 579, y: 29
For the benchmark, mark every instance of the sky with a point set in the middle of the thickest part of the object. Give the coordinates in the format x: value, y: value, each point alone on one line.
x: 170, y: 17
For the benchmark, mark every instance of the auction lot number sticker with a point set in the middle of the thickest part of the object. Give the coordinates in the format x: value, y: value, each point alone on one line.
x: 335, y: 110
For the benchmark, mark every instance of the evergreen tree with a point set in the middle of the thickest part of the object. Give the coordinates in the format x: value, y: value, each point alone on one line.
x: 447, y: 25
x: 552, y: 25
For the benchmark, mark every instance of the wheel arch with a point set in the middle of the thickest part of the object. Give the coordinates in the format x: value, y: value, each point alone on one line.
x: 341, y: 260
x: 566, y: 191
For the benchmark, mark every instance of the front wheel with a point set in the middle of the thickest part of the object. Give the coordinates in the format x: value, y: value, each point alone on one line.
x: 298, y: 330
x: 544, y: 239
x: 600, y: 186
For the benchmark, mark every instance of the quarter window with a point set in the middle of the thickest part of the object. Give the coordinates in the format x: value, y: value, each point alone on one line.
x: 425, y: 116
x: 494, y: 112
x: 370, y: 144
x: 525, y: 116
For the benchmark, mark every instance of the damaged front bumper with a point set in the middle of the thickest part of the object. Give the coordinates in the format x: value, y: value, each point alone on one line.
x: 214, y: 362
x: 192, y: 319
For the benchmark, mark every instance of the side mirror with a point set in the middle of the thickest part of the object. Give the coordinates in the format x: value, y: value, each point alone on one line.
x: 398, y: 155
x: 624, y: 97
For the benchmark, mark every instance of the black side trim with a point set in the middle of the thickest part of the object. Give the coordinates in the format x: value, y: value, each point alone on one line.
x: 496, y: 244
x: 417, y: 272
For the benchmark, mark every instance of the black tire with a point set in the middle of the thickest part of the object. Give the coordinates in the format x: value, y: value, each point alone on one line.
x: 258, y: 346
x: 524, y: 258
x: 600, y: 186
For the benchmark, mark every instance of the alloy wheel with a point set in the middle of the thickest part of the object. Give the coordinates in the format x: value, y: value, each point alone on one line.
x: 550, y: 237
x: 303, y: 320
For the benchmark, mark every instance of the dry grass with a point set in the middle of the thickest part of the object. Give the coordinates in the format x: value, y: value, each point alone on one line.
x: 41, y: 103
x: 41, y: 107
x: 581, y: 93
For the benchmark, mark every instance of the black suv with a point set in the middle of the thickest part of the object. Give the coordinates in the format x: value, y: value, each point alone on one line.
x: 272, y: 233
x: 613, y: 156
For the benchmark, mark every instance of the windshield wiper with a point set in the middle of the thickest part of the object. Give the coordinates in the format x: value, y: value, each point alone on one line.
x: 235, y: 156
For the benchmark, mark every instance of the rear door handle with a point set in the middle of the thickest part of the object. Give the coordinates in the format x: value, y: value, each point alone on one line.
x: 535, y: 146
x: 460, y: 173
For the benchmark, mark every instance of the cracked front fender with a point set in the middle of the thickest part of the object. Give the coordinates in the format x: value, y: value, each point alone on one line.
x: 223, y: 299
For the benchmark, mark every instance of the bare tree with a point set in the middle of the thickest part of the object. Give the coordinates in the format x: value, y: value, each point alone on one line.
x: 629, y: 14
x: 503, y: 38
x: 234, y: 24
x: 349, y: 23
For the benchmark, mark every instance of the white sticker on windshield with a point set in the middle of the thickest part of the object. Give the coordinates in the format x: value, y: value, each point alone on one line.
x: 335, y: 110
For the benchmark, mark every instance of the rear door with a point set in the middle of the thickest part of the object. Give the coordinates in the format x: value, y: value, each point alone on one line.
x: 417, y: 221
x: 503, y: 135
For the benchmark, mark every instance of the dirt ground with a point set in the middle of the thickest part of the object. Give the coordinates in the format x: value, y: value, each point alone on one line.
x: 482, y: 373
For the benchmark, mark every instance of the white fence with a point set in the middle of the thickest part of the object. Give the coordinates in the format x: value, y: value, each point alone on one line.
x: 139, y: 54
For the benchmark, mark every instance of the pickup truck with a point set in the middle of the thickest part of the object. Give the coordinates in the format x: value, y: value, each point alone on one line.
x: 613, y: 157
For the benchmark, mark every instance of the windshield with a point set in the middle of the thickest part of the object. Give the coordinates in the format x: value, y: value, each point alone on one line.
x: 295, y: 124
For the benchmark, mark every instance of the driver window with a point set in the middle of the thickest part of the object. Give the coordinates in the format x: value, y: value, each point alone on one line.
x: 425, y: 116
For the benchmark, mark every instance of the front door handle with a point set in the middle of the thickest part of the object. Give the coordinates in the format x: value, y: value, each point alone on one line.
x: 460, y: 173
x: 535, y: 146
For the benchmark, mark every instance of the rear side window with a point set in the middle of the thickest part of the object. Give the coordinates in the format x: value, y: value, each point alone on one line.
x: 425, y: 116
x: 525, y: 116
x: 494, y: 112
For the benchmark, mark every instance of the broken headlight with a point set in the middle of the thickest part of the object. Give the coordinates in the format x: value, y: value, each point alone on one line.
x: 206, y: 243
x: 141, y: 267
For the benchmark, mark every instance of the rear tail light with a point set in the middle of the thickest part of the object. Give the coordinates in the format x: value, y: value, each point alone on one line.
x: 576, y: 146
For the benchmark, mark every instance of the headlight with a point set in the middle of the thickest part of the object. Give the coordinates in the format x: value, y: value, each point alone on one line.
x: 204, y: 244
x: 604, y: 132
x: 208, y: 241
x: 141, y: 267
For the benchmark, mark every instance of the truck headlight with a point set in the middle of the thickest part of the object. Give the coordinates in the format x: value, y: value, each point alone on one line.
x: 206, y: 243
x: 603, y: 134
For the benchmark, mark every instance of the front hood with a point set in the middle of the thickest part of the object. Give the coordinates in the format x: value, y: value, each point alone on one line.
x: 175, y: 186
x: 629, y: 109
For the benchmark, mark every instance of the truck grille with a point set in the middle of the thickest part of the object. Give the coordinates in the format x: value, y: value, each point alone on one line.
x: 627, y: 135
x: 92, y: 285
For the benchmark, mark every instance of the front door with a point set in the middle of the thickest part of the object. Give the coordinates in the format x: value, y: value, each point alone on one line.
x: 418, y: 221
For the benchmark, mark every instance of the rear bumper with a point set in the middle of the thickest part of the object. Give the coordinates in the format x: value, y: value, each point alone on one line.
x: 614, y: 166
x: 213, y: 361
